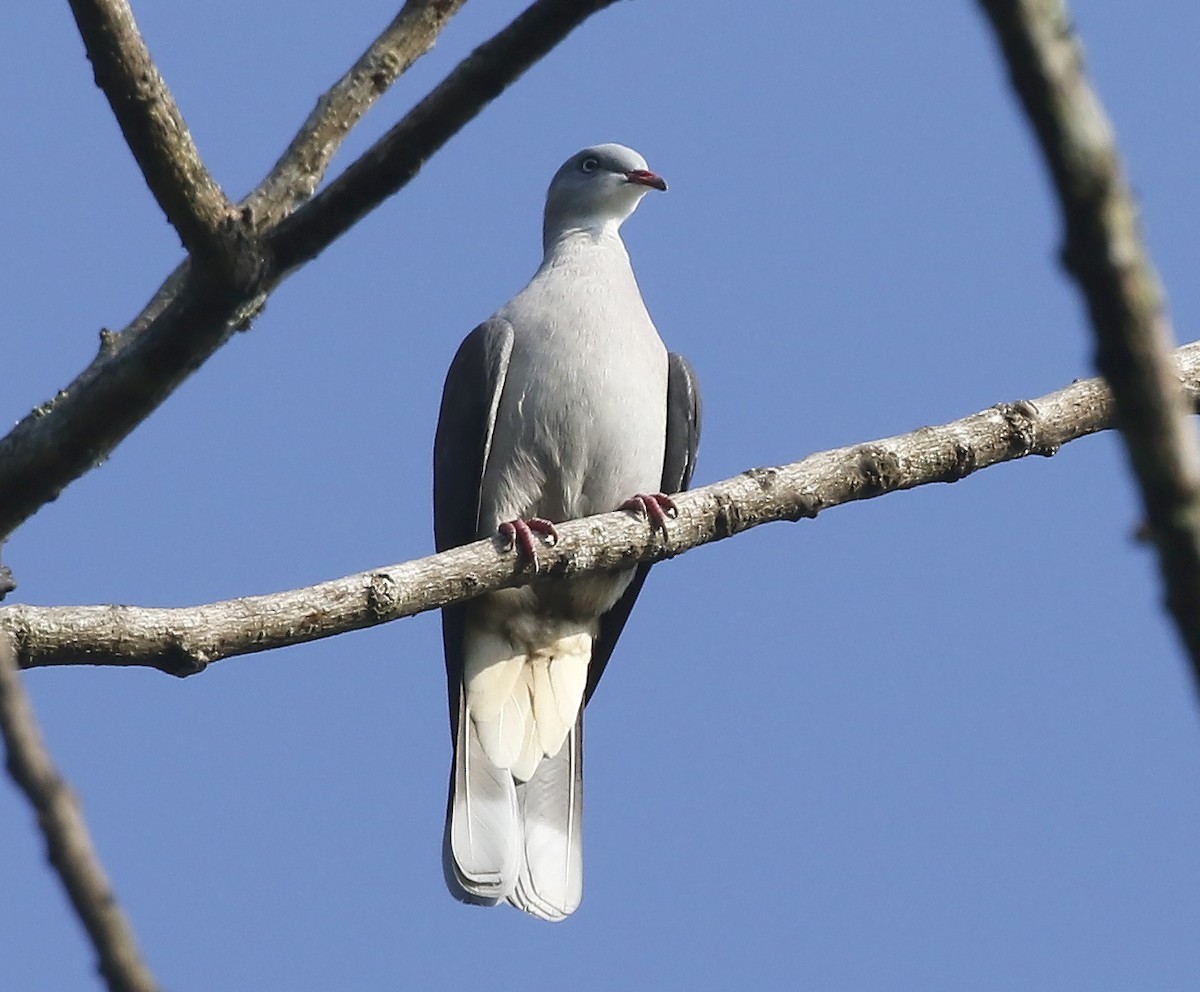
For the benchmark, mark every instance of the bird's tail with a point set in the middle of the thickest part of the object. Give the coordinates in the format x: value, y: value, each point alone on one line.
x: 550, y: 883
x: 481, y: 849
x: 515, y: 841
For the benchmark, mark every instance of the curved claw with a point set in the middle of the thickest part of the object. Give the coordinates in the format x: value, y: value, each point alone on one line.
x: 519, y: 536
x: 657, y: 508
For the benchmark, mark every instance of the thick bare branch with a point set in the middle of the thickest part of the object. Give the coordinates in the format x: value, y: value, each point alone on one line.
x: 157, y: 134
x: 183, y: 641
x: 60, y: 440
x: 138, y: 368
x: 68, y: 843
x: 1105, y: 253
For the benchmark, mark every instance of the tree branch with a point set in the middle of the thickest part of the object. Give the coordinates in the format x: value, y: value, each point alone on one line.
x: 398, y: 156
x: 57, y: 442
x: 68, y: 843
x: 156, y: 132
x: 1107, y: 257
x: 302, y: 166
x: 190, y: 319
x: 183, y: 641
x: 295, y: 177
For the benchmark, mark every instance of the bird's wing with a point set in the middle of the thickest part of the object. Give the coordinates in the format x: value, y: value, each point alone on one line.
x: 466, y: 423
x: 480, y: 863
x: 684, y: 411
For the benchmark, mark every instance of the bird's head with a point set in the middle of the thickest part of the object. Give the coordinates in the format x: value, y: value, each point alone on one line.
x: 596, y: 189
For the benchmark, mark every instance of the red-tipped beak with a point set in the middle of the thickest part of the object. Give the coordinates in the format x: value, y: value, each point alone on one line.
x: 644, y: 177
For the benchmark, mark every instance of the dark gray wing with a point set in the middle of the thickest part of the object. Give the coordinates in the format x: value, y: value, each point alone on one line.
x: 466, y: 420
x: 684, y: 411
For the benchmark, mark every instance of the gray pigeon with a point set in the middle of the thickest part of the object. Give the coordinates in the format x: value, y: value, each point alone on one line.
x: 563, y: 404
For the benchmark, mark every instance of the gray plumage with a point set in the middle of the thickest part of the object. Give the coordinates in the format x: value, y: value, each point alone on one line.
x: 563, y: 404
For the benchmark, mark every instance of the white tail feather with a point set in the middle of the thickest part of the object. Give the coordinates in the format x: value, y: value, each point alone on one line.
x: 550, y: 884
x: 484, y: 821
x: 524, y: 702
x: 514, y: 823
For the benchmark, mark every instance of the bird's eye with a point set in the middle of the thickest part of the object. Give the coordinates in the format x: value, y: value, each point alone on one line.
x: 589, y: 164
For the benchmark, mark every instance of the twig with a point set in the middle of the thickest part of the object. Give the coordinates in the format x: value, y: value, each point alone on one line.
x: 1106, y: 255
x: 183, y: 641
x: 68, y: 843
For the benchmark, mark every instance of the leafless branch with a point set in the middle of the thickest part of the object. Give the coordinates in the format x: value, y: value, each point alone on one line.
x: 155, y: 131
x: 192, y: 317
x: 399, y: 155
x: 1106, y: 255
x: 69, y: 846
x: 183, y: 641
x: 300, y: 169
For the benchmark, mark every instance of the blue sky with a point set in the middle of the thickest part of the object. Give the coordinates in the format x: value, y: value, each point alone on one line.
x: 940, y: 740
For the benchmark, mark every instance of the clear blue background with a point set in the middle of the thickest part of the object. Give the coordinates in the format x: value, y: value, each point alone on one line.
x: 943, y: 740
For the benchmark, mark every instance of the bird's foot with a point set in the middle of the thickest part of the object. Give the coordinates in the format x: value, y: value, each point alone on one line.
x: 657, y: 508
x: 519, y: 536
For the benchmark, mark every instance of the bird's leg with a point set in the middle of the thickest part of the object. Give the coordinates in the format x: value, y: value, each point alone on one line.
x: 656, y: 507
x: 518, y: 535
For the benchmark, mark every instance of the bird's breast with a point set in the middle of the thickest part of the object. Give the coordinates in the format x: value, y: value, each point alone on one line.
x: 582, y: 419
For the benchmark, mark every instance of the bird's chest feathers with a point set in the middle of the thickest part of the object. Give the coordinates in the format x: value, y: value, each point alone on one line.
x: 588, y: 444
x: 584, y: 400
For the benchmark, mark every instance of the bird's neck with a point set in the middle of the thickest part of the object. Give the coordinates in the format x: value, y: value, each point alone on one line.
x: 582, y: 237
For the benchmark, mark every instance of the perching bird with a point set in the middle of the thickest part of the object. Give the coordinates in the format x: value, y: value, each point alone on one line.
x: 564, y: 403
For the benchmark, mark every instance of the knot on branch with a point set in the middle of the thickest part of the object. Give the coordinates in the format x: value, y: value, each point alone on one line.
x: 1025, y: 436
x: 963, y: 461
x: 727, y: 520
x: 110, y: 340
x: 386, y: 71
x: 382, y: 594
x: 879, y: 471
x: 178, y: 660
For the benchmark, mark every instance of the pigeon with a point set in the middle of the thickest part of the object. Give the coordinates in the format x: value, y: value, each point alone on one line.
x: 563, y: 404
